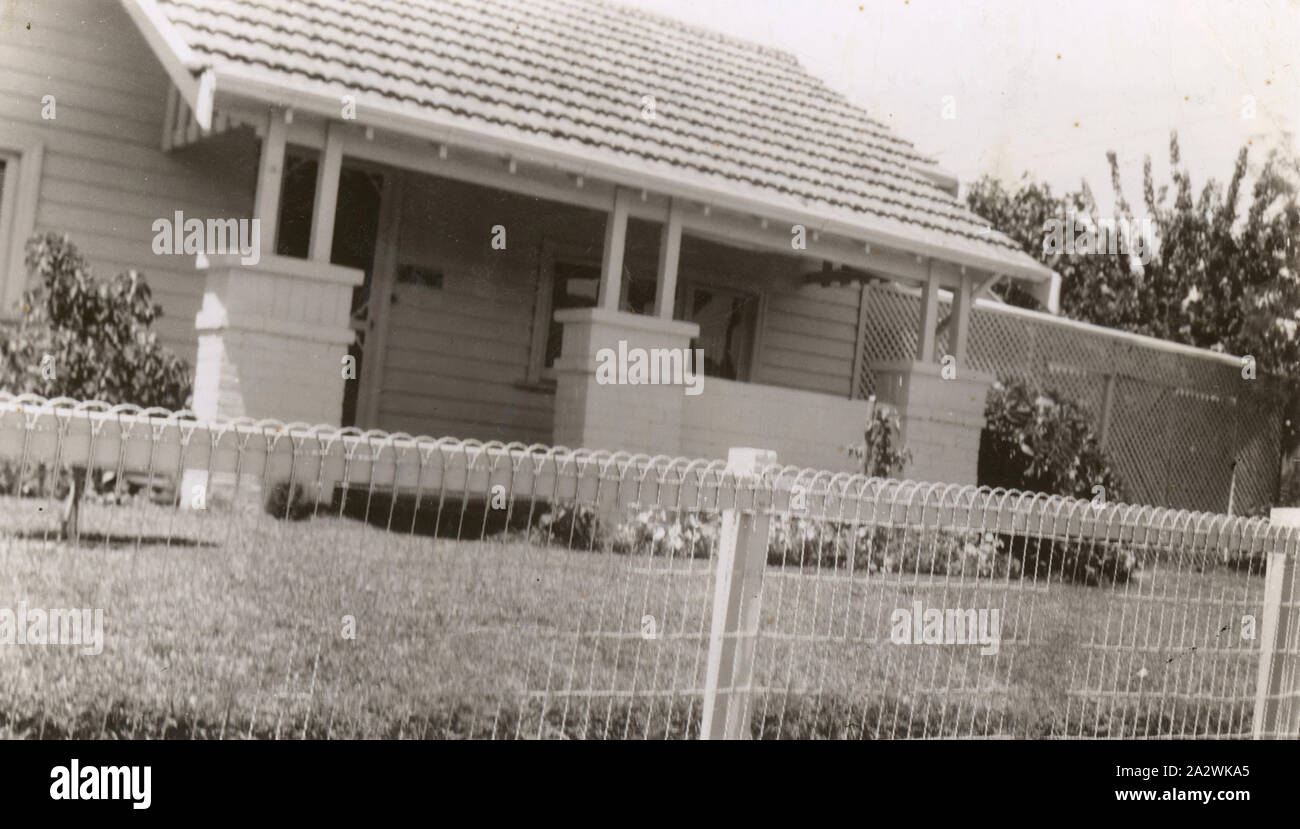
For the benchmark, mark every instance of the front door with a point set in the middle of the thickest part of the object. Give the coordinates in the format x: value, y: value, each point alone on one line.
x: 356, y: 242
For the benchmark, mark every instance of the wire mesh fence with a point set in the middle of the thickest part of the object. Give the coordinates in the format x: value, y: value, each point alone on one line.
x: 280, y: 580
x: 1182, y: 426
x: 981, y: 613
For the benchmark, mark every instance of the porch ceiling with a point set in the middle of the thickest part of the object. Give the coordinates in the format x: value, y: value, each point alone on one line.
x: 565, y: 83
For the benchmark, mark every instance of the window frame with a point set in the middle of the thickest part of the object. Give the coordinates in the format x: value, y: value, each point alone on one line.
x: 17, y: 220
x: 686, y: 290
x: 551, y: 254
x: 8, y: 189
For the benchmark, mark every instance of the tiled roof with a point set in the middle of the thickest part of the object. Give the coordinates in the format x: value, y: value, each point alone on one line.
x: 726, y: 111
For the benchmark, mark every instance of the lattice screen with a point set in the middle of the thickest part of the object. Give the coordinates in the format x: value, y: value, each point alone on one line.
x: 1177, y: 421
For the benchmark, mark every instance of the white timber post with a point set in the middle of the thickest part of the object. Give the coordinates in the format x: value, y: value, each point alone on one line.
x: 327, y: 196
x: 960, y: 315
x: 737, y: 598
x: 270, y: 171
x: 670, y: 249
x: 1277, y: 689
x: 929, y: 316
x: 856, y: 387
x: 611, y: 265
x: 1049, y: 293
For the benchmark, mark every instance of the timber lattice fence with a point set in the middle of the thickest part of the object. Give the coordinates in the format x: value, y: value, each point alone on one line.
x: 515, y: 591
x: 1182, y: 426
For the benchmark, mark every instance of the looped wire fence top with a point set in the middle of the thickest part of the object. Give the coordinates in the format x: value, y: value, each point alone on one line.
x: 271, y: 579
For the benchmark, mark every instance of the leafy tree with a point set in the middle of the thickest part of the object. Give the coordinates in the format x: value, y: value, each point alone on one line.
x: 1219, y: 277
x: 88, y: 339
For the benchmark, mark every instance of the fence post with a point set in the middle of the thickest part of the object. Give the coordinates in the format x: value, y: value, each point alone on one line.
x: 737, y: 602
x: 1277, y: 666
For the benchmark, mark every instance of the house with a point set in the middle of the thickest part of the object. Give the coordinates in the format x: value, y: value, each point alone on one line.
x: 459, y: 204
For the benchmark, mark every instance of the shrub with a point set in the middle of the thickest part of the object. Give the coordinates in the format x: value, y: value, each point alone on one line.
x: 812, y: 544
x: 654, y: 531
x: 1288, y: 488
x: 38, y: 481
x: 1076, y: 561
x: 575, y: 526
x: 898, y: 550
x: 881, y: 453
x: 1042, y: 441
x: 88, y: 338
x: 288, y: 501
x: 660, y: 532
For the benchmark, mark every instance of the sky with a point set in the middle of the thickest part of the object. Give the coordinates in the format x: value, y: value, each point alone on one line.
x: 1047, y: 86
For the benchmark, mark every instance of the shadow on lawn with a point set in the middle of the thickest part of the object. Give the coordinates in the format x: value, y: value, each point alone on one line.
x: 89, y: 539
x: 467, y: 519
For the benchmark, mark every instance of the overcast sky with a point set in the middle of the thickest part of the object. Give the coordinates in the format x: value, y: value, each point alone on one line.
x: 1047, y: 86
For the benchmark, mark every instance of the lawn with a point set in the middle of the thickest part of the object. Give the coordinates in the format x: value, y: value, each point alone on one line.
x: 221, y: 625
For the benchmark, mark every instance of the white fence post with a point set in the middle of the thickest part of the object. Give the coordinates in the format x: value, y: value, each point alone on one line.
x: 1278, y: 667
x: 737, y: 602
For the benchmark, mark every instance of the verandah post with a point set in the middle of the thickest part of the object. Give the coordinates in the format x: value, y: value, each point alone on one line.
x: 1277, y: 697
x: 737, y: 599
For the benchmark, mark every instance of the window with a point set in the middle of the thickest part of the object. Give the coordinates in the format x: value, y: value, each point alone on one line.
x: 8, y: 185
x: 638, y: 293
x: 297, y: 194
x: 574, y: 286
x: 570, y: 278
x: 727, y: 321
x: 20, y: 177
